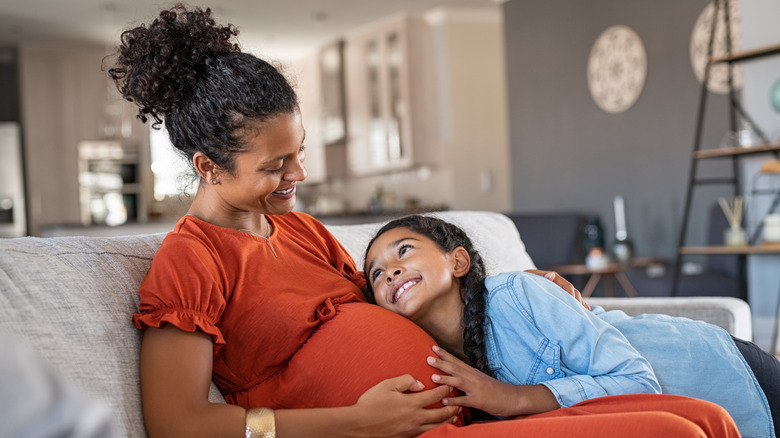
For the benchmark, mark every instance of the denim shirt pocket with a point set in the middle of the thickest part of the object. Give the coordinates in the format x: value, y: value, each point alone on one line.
x: 547, y: 365
x: 519, y: 363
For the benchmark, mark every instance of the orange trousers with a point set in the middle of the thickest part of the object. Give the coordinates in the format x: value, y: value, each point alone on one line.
x: 363, y: 344
x: 635, y: 416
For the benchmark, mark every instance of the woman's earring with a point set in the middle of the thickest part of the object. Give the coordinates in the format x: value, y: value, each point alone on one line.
x: 213, y: 181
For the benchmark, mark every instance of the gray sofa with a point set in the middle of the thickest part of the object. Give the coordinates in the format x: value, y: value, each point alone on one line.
x: 71, y: 299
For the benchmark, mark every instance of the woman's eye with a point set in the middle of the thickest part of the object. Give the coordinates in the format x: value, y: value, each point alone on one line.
x: 273, y: 171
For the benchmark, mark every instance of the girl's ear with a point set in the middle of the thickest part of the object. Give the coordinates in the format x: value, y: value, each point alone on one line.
x: 461, y: 261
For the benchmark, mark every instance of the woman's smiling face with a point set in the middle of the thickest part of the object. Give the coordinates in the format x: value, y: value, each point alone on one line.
x: 409, y: 273
x: 266, y: 174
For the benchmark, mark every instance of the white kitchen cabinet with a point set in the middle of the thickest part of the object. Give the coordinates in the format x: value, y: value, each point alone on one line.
x: 389, y: 97
x: 305, y: 74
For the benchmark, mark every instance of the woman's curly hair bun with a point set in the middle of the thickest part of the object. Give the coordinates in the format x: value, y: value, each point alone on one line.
x: 158, y: 64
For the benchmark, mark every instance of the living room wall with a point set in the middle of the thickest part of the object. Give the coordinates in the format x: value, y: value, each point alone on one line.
x: 568, y: 154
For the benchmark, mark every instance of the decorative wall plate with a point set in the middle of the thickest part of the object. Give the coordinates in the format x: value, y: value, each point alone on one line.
x: 617, y: 69
x: 700, y: 37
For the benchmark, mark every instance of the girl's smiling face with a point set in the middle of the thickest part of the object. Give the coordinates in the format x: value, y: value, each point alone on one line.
x: 411, y: 275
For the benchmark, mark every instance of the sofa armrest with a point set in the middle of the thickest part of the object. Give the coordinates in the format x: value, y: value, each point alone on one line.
x: 732, y: 314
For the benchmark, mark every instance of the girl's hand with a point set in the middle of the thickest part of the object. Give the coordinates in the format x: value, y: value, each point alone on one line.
x: 562, y: 283
x: 486, y: 393
x: 399, y: 407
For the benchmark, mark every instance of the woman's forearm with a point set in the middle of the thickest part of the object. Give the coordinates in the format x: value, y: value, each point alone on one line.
x: 209, y: 421
x: 228, y: 421
x: 331, y: 422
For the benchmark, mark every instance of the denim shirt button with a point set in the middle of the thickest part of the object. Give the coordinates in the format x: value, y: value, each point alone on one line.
x: 550, y: 370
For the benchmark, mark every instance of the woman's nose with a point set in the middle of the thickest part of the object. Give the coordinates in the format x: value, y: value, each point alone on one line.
x: 297, y: 172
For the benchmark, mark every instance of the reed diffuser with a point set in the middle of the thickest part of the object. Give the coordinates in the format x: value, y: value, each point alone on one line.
x: 735, y: 234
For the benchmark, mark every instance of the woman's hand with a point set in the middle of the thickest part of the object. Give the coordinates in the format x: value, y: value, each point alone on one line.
x: 562, y: 283
x: 486, y: 393
x: 399, y: 407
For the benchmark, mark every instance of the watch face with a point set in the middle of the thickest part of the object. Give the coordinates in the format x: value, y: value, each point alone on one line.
x: 617, y: 68
x: 700, y: 39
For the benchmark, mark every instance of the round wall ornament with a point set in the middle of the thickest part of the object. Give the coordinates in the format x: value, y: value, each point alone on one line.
x: 617, y: 68
x: 700, y: 39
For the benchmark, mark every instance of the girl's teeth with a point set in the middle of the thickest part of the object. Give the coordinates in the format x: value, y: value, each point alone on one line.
x: 402, y: 289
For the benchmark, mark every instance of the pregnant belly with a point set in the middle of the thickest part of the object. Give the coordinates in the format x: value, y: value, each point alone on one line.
x: 361, y: 346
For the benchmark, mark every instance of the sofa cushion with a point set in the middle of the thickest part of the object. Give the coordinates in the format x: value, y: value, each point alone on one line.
x: 72, y: 299
x: 494, y: 235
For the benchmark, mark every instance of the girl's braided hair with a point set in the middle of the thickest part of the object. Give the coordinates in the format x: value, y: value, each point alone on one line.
x: 473, y: 292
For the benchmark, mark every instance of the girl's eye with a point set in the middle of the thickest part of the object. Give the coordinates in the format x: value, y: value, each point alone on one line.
x: 376, y: 274
x: 403, y: 249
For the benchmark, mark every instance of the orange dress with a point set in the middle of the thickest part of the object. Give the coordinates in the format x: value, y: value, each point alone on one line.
x: 291, y: 329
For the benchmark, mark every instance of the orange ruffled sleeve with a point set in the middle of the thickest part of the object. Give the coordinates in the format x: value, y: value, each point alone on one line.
x: 185, y: 287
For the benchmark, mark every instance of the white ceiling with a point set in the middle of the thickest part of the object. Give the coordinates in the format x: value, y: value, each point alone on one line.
x: 275, y: 28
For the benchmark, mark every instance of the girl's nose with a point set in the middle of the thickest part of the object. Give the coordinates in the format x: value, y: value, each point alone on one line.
x: 393, y: 274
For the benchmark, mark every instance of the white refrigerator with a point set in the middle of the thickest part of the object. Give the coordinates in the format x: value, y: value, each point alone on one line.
x: 13, y: 217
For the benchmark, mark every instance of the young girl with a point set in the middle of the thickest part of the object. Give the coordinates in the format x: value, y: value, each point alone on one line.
x: 536, y: 349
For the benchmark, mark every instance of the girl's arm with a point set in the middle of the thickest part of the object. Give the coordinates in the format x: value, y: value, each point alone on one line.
x: 176, y: 371
x: 582, y: 356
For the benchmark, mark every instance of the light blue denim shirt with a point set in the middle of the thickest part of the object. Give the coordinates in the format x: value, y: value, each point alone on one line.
x: 537, y: 333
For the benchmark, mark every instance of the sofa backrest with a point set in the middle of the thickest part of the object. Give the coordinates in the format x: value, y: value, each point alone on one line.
x: 72, y: 299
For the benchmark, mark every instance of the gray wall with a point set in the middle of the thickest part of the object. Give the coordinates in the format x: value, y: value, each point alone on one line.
x: 569, y: 154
